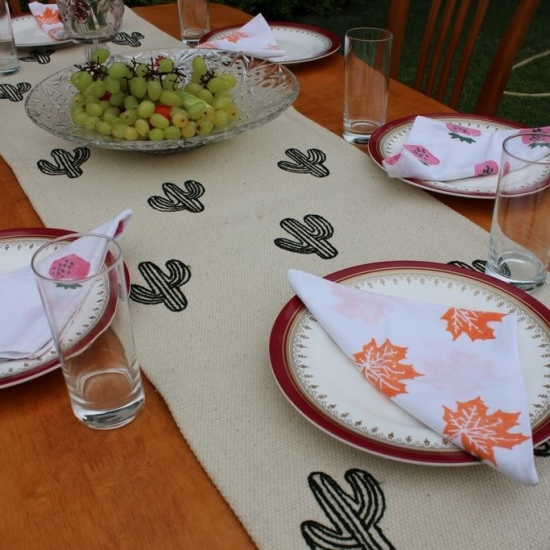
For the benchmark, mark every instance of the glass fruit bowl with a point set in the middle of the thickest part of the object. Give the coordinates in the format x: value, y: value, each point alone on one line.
x: 264, y: 90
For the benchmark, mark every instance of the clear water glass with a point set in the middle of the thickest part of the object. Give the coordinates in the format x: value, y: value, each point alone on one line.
x: 519, y: 248
x: 9, y: 62
x: 367, y: 57
x: 85, y: 297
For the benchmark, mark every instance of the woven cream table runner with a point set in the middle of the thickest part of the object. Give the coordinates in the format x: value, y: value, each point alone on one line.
x: 214, y: 232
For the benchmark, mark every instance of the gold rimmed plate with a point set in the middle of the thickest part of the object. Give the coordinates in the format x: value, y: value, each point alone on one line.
x: 326, y: 388
x: 388, y: 140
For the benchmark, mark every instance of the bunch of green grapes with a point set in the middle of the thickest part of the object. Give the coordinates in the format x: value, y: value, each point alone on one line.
x: 151, y: 101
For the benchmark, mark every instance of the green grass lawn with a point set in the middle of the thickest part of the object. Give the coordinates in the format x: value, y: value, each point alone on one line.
x: 532, y: 78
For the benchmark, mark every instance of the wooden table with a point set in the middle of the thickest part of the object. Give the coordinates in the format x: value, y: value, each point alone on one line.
x: 66, y: 486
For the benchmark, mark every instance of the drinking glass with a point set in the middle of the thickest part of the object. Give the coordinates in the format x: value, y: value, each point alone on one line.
x: 366, y: 81
x: 194, y: 19
x: 520, y: 231
x: 9, y: 62
x: 84, y: 292
x: 91, y: 22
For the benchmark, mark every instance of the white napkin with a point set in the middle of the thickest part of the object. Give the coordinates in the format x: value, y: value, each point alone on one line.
x: 25, y: 332
x: 47, y: 16
x: 255, y: 38
x: 436, y: 150
x: 455, y: 370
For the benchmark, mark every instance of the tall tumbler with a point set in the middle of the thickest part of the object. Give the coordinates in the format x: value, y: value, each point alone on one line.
x: 194, y: 19
x: 84, y: 292
x: 367, y: 54
x: 519, y: 249
x: 9, y: 62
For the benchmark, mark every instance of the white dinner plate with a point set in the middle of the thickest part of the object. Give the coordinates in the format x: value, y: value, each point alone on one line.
x: 325, y: 387
x: 28, y: 34
x: 388, y: 140
x: 301, y: 42
x: 16, y: 250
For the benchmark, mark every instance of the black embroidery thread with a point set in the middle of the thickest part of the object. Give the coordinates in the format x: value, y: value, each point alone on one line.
x: 163, y: 288
x: 477, y: 265
x: 543, y: 449
x: 42, y: 57
x: 14, y: 93
x: 125, y: 39
x: 312, y: 163
x: 354, y: 518
x: 312, y: 236
x: 67, y: 164
x: 178, y: 199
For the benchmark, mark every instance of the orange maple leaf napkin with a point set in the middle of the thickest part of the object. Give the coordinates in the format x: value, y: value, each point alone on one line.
x: 47, y: 16
x: 436, y: 150
x: 455, y: 370
x: 255, y: 38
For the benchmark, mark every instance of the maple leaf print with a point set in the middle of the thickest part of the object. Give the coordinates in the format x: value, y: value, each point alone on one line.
x: 471, y: 322
x: 479, y: 432
x: 382, y: 367
x: 49, y: 17
x: 234, y: 37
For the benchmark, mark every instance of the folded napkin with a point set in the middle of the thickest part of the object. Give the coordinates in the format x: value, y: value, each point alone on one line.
x: 47, y: 16
x: 436, y: 150
x: 25, y: 332
x: 255, y: 38
x: 455, y: 370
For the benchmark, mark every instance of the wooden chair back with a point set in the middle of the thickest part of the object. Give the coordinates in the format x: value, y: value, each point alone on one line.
x: 449, y: 34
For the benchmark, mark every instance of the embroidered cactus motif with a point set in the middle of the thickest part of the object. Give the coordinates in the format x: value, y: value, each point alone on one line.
x: 164, y: 288
x: 42, y: 57
x: 66, y: 164
x: 125, y: 39
x: 310, y: 163
x: 312, y: 236
x: 178, y: 199
x: 14, y: 93
x: 354, y: 519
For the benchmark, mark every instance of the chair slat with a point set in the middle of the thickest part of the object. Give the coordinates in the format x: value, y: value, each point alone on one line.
x: 445, y: 50
x: 503, y: 61
x: 452, y: 48
x: 426, y: 42
x: 467, y: 52
x: 438, y: 48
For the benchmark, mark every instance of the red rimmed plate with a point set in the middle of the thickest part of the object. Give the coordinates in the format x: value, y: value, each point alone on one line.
x: 321, y: 383
x: 388, y: 140
x: 17, y: 247
x: 302, y: 43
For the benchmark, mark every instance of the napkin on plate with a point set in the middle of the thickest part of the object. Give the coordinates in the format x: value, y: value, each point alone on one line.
x: 255, y: 38
x: 436, y: 150
x: 25, y: 332
x: 455, y: 370
x: 47, y: 16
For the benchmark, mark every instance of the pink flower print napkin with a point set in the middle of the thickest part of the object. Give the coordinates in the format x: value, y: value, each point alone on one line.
x: 436, y: 150
x: 455, y: 370
x: 47, y: 16
x: 255, y: 38
x: 25, y: 332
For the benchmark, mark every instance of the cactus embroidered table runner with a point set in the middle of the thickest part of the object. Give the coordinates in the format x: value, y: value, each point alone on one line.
x: 214, y: 233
